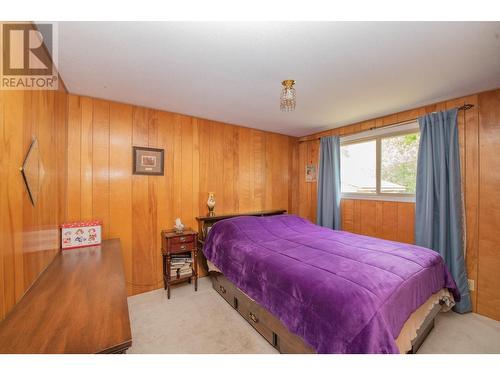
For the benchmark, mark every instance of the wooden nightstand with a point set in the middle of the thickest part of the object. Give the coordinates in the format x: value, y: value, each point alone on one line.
x: 175, y: 244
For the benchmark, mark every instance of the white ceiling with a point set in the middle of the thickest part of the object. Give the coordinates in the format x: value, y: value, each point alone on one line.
x: 232, y: 72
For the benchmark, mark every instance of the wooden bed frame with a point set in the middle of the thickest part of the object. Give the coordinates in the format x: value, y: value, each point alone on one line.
x: 264, y: 322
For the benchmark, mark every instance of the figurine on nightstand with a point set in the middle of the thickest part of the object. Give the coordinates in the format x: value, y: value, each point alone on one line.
x: 179, y: 227
x: 211, y: 204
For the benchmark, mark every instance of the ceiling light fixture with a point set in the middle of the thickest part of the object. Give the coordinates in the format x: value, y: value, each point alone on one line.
x: 287, y: 102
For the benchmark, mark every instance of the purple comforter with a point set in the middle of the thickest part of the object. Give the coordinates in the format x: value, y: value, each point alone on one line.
x: 340, y: 292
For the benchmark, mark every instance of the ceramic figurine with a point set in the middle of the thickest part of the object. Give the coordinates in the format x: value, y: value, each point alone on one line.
x: 211, y: 204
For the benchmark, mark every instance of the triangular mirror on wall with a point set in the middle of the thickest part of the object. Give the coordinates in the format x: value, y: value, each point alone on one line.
x: 32, y: 171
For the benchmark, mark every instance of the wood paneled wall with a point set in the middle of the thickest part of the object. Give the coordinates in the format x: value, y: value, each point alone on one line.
x: 488, y: 281
x: 389, y: 220
x: 247, y: 170
x: 29, y: 234
x: 395, y: 220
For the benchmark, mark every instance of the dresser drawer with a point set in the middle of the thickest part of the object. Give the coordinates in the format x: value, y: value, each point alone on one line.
x: 181, y: 247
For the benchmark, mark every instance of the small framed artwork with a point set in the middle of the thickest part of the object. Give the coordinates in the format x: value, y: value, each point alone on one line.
x: 148, y: 161
x: 310, y: 173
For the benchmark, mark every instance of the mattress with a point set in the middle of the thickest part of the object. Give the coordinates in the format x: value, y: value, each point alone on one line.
x: 340, y: 292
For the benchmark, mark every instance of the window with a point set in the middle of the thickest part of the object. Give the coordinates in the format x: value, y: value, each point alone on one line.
x: 358, y: 167
x: 380, y: 164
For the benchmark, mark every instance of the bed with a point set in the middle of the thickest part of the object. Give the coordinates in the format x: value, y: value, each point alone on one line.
x: 309, y: 289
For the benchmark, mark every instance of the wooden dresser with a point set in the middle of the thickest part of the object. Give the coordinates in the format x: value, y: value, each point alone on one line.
x: 77, y: 305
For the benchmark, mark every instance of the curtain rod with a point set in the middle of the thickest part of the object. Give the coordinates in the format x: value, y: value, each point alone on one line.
x: 464, y: 107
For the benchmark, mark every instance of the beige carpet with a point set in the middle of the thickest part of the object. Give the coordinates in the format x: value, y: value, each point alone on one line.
x: 203, y: 322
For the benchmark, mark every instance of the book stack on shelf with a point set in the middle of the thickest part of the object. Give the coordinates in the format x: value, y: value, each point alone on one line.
x: 180, y: 266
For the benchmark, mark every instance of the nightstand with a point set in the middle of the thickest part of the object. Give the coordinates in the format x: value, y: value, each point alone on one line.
x: 179, y: 246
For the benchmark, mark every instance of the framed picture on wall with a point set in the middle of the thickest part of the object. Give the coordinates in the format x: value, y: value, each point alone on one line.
x: 310, y: 173
x: 148, y: 161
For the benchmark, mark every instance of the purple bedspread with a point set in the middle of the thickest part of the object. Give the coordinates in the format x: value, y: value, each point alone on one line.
x: 340, y: 292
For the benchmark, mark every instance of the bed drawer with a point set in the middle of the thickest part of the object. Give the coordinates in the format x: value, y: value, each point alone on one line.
x: 255, y: 315
x: 289, y: 343
x: 259, y: 318
x: 225, y: 289
x: 270, y: 327
x: 284, y: 340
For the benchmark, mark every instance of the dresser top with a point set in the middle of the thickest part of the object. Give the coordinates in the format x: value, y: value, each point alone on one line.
x: 77, y: 305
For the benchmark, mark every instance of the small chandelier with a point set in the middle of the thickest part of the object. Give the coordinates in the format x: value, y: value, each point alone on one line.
x: 287, y: 102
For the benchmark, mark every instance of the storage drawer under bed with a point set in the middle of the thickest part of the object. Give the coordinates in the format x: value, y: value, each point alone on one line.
x: 225, y: 289
x: 259, y: 318
x: 254, y: 314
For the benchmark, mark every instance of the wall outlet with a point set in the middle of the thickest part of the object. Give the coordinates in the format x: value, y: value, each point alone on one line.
x: 471, y: 284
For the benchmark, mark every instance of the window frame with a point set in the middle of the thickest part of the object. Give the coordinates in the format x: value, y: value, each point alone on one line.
x: 377, y: 135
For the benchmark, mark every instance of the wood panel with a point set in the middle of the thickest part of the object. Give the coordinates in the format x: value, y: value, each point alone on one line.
x: 143, y: 259
x: 100, y: 165
x: 368, y: 217
x: 471, y: 193
x: 39, y: 244
x: 383, y: 219
x: 30, y: 234
x: 247, y: 169
x: 120, y: 181
x: 86, y: 148
x: 165, y: 186
x: 406, y: 222
x: 231, y: 162
x: 3, y: 206
x: 73, y: 201
x: 488, y: 283
x: 293, y: 185
x: 245, y: 178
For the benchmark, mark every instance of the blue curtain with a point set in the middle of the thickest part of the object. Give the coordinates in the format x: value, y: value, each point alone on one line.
x: 438, y: 216
x: 328, y: 207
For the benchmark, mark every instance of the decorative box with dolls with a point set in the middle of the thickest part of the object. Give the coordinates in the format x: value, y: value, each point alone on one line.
x: 80, y: 234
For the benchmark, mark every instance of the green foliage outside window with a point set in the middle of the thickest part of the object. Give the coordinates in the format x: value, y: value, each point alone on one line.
x: 399, y: 163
